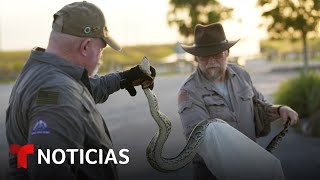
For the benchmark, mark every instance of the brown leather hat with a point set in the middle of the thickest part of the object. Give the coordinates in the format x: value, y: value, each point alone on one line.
x: 83, y: 19
x: 209, y: 40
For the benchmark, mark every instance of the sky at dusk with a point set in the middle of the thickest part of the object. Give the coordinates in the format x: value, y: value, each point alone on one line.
x: 25, y: 24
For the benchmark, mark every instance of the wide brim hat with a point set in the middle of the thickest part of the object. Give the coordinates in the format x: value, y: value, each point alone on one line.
x: 83, y: 19
x: 209, y: 40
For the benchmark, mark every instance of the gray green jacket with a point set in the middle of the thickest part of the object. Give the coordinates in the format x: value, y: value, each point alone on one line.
x: 53, y: 105
x: 204, y: 101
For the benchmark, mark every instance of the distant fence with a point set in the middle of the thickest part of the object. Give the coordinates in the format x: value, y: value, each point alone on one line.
x: 293, y: 55
x: 180, y: 66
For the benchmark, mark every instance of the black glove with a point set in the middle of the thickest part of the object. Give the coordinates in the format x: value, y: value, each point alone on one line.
x: 135, y: 77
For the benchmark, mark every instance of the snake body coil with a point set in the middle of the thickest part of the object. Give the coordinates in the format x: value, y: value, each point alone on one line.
x: 154, y: 149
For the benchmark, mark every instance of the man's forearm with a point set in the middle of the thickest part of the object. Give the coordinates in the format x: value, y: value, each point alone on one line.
x: 103, y: 86
x: 273, y: 112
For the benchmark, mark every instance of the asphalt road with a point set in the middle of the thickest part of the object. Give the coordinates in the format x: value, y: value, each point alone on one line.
x: 132, y: 127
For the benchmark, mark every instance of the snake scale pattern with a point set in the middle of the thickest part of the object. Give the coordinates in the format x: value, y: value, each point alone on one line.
x: 154, y: 149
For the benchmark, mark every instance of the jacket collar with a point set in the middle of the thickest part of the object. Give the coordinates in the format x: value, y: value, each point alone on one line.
x: 75, y: 71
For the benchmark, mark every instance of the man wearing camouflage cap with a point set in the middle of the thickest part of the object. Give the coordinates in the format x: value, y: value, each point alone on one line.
x: 52, y: 104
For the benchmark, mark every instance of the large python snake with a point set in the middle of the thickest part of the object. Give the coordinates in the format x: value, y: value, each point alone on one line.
x: 154, y: 149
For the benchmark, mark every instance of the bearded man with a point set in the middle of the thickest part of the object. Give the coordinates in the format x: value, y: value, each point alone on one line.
x: 217, y: 89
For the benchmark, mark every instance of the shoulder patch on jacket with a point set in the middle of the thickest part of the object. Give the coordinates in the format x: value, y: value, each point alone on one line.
x: 47, y: 97
x: 40, y: 127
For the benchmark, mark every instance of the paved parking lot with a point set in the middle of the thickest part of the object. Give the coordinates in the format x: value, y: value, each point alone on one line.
x: 132, y: 127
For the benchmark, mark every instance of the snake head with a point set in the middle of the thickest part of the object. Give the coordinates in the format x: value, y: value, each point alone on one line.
x: 145, y: 66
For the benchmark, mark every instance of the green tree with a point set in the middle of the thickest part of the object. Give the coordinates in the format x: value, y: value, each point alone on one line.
x: 293, y: 19
x: 185, y: 14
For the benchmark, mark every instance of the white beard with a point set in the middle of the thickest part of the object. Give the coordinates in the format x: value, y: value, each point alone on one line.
x: 217, y: 73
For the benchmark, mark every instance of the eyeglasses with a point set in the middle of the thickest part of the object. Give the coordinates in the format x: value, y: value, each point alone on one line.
x: 215, y: 57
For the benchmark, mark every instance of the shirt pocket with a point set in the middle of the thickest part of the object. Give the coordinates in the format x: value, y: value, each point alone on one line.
x: 215, y: 103
x: 245, y: 103
x: 218, y: 108
x: 246, y: 94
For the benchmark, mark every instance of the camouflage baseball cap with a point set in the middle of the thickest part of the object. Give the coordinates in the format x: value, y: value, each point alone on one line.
x: 83, y: 19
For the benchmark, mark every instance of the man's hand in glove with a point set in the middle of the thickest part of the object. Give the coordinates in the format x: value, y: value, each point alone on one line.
x: 135, y: 77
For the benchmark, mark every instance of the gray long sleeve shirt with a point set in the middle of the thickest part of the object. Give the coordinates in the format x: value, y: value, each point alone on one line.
x: 203, y: 101
x: 52, y: 105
